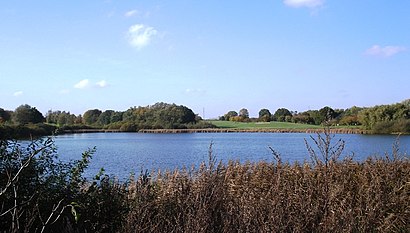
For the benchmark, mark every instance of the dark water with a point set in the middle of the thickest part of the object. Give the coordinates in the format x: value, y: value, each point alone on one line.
x: 122, y: 153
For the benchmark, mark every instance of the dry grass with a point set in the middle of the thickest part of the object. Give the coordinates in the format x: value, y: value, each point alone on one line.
x: 338, y: 196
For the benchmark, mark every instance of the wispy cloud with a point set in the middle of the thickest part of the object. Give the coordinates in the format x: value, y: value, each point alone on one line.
x: 82, y: 84
x: 130, y: 13
x: 86, y: 83
x: 195, y: 91
x: 18, y: 93
x: 140, y: 35
x: 101, y: 84
x: 386, y: 51
x: 304, y: 3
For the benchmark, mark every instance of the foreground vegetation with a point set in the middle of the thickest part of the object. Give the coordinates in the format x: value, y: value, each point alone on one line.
x: 40, y: 194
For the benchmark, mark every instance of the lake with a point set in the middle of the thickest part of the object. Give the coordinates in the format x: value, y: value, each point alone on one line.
x: 122, y: 153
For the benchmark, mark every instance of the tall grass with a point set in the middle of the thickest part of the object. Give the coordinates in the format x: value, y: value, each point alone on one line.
x: 372, y: 196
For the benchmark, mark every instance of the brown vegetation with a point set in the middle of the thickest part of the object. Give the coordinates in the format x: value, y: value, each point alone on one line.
x: 346, y: 196
x: 326, y: 195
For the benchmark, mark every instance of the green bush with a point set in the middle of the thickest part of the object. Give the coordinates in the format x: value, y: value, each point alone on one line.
x: 388, y: 127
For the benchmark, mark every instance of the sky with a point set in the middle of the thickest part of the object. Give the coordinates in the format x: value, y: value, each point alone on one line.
x: 212, y: 56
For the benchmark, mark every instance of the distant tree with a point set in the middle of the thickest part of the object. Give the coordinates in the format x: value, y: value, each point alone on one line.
x: 326, y: 114
x: 60, y: 118
x: 52, y: 116
x: 369, y: 117
x: 116, y: 117
x: 78, y: 119
x: 244, y: 113
x: 90, y: 117
x: 4, y: 115
x: 316, y: 117
x: 406, y: 103
x: 303, y: 118
x: 264, y: 115
x: 281, y: 113
x: 105, y: 117
x: 25, y: 114
x: 230, y: 114
x: 350, y: 116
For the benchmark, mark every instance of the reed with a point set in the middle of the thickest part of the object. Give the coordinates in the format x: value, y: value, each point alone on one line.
x: 327, y: 196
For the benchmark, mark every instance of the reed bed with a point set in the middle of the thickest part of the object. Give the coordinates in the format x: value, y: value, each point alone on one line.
x: 341, y: 196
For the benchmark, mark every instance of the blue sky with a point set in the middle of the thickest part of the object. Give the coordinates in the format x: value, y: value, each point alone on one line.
x: 213, y: 55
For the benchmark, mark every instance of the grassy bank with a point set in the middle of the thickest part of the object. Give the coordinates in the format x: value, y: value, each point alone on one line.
x: 271, y: 125
x: 326, y: 195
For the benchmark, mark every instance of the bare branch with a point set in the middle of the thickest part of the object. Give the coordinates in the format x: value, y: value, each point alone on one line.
x: 22, y: 167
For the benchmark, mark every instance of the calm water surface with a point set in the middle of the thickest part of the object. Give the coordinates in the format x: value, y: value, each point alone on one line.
x: 122, y: 153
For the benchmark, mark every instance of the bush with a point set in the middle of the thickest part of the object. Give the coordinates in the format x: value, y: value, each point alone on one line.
x: 26, y: 131
x: 388, y: 127
x: 40, y: 193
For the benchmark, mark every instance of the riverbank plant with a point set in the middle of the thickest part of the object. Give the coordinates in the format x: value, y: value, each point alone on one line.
x: 328, y: 194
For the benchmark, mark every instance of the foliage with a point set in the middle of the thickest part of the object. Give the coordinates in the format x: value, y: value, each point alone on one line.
x: 62, y: 118
x: 25, y: 114
x: 159, y: 116
x: 39, y: 193
x: 229, y: 115
x: 385, y: 115
x: 244, y: 113
x: 4, y: 116
x: 265, y: 115
x: 91, y: 117
x: 26, y: 131
x: 280, y: 114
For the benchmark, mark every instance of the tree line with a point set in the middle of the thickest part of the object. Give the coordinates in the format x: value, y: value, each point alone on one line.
x: 392, y: 118
x: 26, y: 120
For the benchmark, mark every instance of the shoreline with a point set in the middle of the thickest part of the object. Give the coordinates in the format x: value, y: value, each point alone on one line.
x: 221, y: 130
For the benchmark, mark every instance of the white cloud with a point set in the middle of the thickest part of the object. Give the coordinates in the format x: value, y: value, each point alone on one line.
x: 130, y: 13
x: 386, y: 51
x: 82, y: 84
x: 304, y: 3
x: 102, y: 84
x: 18, y: 93
x: 140, y: 35
x: 195, y: 91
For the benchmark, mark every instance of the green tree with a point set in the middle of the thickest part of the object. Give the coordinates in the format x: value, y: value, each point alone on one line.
x: 25, y: 114
x: 230, y: 115
x: 265, y: 115
x: 105, y: 117
x: 4, y: 115
x: 280, y: 114
x: 90, y: 117
x: 327, y: 114
x: 116, y: 117
x: 303, y: 118
x: 244, y: 113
